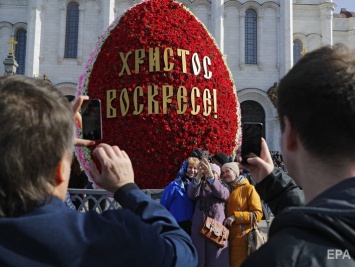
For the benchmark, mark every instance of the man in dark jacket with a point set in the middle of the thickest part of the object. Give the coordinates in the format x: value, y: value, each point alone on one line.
x: 36, y: 228
x: 316, y: 106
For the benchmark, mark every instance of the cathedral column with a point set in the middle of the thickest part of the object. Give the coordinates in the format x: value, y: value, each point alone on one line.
x: 34, y: 32
x: 217, y: 16
x: 260, y: 43
x: 286, y: 37
x: 62, y: 22
x: 80, y: 35
x: 326, y: 17
x: 277, y: 43
x: 242, y: 41
x: 107, y: 13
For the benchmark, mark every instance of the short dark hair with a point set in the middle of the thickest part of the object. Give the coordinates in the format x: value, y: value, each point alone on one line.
x: 37, y: 129
x: 318, y: 97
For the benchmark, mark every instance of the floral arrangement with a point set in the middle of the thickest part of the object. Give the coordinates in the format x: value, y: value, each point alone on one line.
x: 165, y: 90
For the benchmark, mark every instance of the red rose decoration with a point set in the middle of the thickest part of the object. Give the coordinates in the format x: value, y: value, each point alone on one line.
x: 165, y: 90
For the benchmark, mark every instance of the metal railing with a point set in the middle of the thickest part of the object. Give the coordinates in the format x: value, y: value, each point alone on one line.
x: 101, y: 200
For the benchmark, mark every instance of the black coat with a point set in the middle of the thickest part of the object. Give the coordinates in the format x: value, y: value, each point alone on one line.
x: 319, y: 234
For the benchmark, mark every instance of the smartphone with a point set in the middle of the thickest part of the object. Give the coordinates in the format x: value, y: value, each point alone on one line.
x: 91, y: 119
x: 205, y: 154
x: 251, y: 140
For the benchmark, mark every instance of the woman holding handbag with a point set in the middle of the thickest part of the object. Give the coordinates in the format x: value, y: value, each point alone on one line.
x: 243, y: 203
x: 210, y: 195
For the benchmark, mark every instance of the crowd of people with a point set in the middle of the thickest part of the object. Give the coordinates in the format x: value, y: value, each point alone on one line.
x: 214, y: 187
x: 313, y: 226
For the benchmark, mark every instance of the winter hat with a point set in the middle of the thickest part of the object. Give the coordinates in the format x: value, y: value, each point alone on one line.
x: 216, y: 168
x: 197, y: 153
x: 222, y: 158
x: 233, y: 166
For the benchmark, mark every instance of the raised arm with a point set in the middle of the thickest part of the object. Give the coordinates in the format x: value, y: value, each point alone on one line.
x: 145, y: 226
x: 274, y: 186
x: 279, y: 191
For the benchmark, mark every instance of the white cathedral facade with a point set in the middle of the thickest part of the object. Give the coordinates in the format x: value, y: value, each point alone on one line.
x: 261, y: 40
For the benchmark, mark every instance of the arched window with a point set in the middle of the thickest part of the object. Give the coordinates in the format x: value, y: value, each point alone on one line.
x: 253, y: 112
x: 297, y: 50
x: 20, y: 50
x: 71, y: 31
x: 250, y: 37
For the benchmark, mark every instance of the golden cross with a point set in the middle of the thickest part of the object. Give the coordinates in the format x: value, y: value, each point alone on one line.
x: 12, y: 43
x: 304, y: 51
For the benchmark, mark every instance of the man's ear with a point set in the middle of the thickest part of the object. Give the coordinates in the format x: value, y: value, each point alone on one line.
x: 291, y: 137
x: 60, y: 172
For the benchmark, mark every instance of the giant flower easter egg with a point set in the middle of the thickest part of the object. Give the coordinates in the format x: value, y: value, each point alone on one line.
x: 165, y: 90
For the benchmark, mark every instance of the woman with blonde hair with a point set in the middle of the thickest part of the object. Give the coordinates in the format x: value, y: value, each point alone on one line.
x: 243, y: 203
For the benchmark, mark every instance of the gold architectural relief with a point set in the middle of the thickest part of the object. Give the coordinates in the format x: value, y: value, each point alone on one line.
x: 272, y: 94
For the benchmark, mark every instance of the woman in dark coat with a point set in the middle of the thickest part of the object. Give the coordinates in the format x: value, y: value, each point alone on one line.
x: 211, y: 196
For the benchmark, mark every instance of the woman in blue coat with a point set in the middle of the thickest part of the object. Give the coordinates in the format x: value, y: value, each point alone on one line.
x: 175, y: 197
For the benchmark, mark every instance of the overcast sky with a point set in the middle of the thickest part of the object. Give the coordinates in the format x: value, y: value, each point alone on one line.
x: 348, y: 4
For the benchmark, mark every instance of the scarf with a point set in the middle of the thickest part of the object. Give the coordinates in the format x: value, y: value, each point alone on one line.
x: 234, y: 183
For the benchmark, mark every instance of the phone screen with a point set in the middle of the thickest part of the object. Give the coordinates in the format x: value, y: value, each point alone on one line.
x: 91, y: 119
x: 251, y: 140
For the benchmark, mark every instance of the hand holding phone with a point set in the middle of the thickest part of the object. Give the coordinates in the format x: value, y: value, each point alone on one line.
x: 91, y: 119
x: 251, y: 140
x: 205, y: 154
x: 260, y: 168
x: 76, y: 104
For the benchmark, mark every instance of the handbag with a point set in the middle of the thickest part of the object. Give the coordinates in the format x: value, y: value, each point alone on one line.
x: 214, y: 231
x: 255, y: 237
